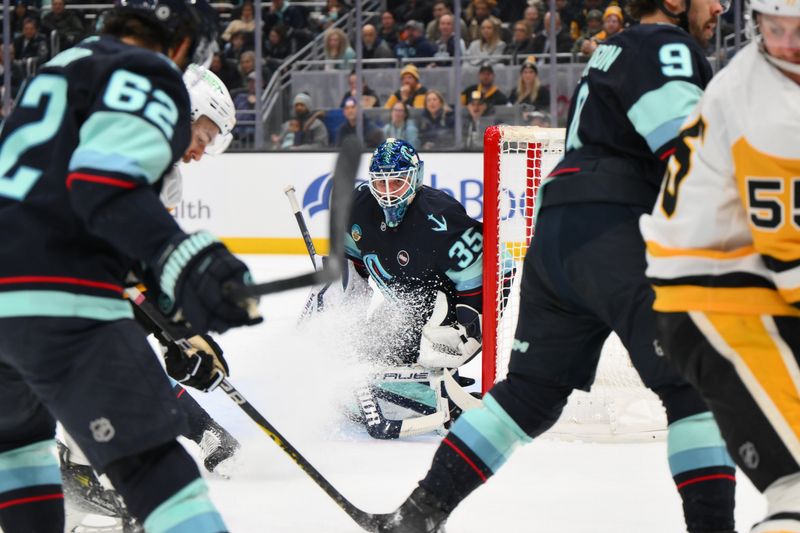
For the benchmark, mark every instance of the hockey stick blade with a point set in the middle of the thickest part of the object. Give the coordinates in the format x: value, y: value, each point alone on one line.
x: 367, y: 521
x: 344, y: 178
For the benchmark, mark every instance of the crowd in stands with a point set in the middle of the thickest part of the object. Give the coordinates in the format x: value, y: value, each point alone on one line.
x: 410, y: 36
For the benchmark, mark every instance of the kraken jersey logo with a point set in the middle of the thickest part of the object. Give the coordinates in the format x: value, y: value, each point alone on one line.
x: 440, y: 225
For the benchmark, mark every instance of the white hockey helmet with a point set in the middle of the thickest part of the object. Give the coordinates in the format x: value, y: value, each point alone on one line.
x: 211, y: 98
x: 780, y: 8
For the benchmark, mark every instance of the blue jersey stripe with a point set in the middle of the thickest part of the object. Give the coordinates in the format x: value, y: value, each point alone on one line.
x: 124, y: 143
x: 696, y: 431
x: 699, y: 458
x: 188, y: 511
x: 62, y: 304
x: 658, y: 114
x: 29, y: 466
x: 469, y: 278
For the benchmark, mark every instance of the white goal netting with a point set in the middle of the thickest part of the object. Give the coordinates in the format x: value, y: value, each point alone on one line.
x: 619, y: 407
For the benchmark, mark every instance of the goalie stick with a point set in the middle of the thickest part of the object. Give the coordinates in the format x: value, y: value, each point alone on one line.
x: 344, y: 178
x: 367, y: 521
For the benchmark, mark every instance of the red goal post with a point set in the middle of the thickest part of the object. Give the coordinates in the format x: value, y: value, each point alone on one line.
x: 516, y: 160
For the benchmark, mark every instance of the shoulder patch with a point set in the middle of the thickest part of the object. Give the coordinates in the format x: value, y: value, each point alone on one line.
x: 438, y: 225
x: 355, y: 232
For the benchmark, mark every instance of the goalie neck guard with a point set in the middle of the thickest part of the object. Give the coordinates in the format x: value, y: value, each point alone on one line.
x: 395, y: 176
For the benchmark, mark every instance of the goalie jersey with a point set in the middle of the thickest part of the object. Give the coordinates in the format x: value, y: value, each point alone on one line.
x: 436, y: 247
x: 725, y: 232
x: 634, y: 94
x: 81, y: 159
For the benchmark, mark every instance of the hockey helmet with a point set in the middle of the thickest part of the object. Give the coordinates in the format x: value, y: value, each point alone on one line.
x: 177, y: 19
x: 395, y: 176
x: 780, y: 8
x: 209, y: 97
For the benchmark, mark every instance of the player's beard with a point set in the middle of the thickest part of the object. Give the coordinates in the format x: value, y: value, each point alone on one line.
x: 703, y: 31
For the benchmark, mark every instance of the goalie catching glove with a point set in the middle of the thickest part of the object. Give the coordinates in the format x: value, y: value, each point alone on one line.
x: 201, y: 367
x: 192, y: 273
x: 451, y: 345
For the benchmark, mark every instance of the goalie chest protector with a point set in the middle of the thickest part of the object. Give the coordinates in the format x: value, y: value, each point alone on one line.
x: 435, y: 247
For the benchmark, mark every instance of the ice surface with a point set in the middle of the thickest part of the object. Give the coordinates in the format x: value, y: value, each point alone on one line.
x: 298, y: 379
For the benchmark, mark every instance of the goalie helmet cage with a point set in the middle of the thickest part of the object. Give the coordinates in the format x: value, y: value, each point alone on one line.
x: 619, y: 407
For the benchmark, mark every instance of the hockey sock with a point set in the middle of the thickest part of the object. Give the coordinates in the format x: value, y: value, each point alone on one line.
x: 704, y: 473
x: 479, y: 443
x: 188, y: 510
x: 197, y: 417
x: 163, y: 489
x: 31, y: 498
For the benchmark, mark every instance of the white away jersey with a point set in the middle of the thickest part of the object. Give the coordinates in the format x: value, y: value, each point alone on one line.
x: 725, y: 232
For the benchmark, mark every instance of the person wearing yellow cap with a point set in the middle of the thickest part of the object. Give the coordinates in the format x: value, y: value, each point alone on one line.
x: 411, y: 91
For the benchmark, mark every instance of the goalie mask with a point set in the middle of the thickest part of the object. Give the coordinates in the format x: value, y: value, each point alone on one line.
x: 209, y: 97
x: 395, y: 176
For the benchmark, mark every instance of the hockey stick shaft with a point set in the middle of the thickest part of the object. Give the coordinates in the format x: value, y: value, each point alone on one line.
x: 344, y: 178
x: 362, y: 518
x: 301, y: 223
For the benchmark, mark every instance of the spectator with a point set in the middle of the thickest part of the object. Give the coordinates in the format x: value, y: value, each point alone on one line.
x: 245, y: 23
x: 586, y: 44
x: 21, y: 11
x: 375, y: 48
x: 312, y: 132
x: 521, y: 43
x: 369, y: 98
x: 226, y: 71
x: 486, y: 88
x: 65, y: 23
x: 512, y: 9
x: 373, y: 136
x: 293, y: 17
x: 437, y: 123
x: 533, y: 18
x: 332, y: 11
x: 613, y: 22
x: 286, y: 139
x: 446, y: 45
x: 338, y: 48
x: 245, y: 104
x: 411, y: 91
x: 529, y: 90
x: 488, y: 45
x: 389, y: 31
x: 401, y: 125
x: 477, y: 12
x: 415, y: 44
x: 30, y: 49
x: 276, y: 47
x: 236, y: 47
x: 477, y: 111
x: 432, y: 30
x: 414, y: 10
x: 247, y: 64
x: 578, y: 25
x: 542, y: 40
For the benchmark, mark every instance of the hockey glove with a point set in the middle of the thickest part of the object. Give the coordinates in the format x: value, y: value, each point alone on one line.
x: 201, y: 367
x: 192, y: 271
x: 446, y: 346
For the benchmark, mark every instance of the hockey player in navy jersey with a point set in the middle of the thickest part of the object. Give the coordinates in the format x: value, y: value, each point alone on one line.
x: 81, y: 159
x: 584, y: 276
x: 213, y: 119
x: 417, y: 243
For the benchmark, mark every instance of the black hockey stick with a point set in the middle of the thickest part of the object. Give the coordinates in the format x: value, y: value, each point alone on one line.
x: 367, y: 521
x: 344, y: 177
x: 301, y: 223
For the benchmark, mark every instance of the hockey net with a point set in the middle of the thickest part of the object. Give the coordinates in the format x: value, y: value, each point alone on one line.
x: 618, y: 407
